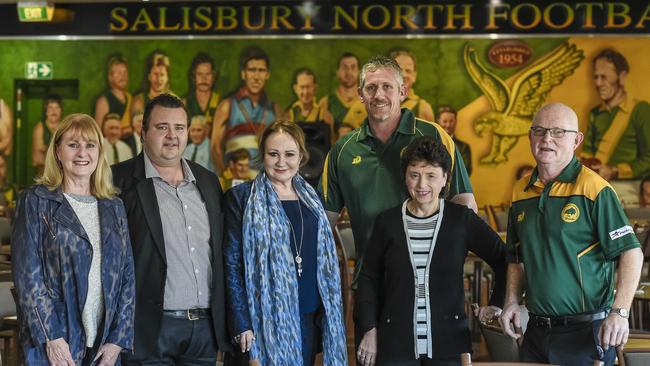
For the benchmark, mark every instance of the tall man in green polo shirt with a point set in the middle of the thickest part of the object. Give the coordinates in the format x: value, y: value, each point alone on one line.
x: 362, y: 171
x: 566, y: 233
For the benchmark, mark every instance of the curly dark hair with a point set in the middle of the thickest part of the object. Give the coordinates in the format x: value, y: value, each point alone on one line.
x: 428, y: 150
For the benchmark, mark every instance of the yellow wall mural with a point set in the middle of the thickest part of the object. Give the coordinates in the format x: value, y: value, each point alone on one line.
x: 493, y: 182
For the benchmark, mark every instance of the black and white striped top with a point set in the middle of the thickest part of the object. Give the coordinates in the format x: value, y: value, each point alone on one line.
x: 420, y: 233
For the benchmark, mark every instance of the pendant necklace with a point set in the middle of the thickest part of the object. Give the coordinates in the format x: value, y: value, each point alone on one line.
x: 298, y: 258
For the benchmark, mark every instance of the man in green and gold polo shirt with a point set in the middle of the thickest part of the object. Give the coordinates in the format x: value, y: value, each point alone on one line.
x: 566, y: 233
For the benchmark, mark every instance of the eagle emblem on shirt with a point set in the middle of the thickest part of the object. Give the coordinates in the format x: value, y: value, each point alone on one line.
x: 513, y: 106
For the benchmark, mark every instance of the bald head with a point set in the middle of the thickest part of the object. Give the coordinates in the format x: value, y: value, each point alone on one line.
x: 554, y: 137
x: 558, y: 115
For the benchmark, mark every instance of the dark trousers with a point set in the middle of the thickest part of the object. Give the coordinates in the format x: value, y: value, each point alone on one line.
x: 183, y: 342
x: 311, y: 325
x: 310, y: 332
x: 572, y: 345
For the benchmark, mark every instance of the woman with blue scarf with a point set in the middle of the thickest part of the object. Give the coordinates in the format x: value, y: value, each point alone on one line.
x: 283, y: 285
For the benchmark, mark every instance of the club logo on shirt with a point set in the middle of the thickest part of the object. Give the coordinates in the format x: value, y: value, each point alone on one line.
x: 570, y: 212
x: 521, y: 216
x: 356, y: 160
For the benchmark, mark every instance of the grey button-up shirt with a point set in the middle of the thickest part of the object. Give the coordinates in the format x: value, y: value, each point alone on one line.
x: 186, y: 232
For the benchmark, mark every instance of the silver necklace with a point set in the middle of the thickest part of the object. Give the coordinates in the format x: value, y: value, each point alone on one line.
x: 298, y: 258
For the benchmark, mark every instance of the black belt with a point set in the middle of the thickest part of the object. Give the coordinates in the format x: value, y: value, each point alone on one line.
x: 189, y: 314
x: 563, y: 321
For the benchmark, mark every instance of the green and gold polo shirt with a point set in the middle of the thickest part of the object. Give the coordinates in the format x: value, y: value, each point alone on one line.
x: 568, y: 234
x: 365, y: 175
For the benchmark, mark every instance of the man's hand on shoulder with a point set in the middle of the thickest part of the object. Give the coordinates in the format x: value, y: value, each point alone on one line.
x: 465, y: 199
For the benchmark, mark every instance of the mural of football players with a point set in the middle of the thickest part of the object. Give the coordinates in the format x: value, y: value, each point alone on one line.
x: 420, y: 107
x: 157, y: 82
x: 618, y: 131
x: 617, y: 141
x: 305, y: 108
x: 344, y: 103
x: 447, y: 120
x: 244, y: 114
x: 6, y: 129
x: 202, y: 100
x: 116, y: 99
x: 44, y: 130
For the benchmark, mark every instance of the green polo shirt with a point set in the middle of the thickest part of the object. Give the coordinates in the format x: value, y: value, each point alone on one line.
x: 365, y: 175
x: 568, y: 233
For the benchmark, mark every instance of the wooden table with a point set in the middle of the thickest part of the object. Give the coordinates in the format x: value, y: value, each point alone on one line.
x: 637, y: 345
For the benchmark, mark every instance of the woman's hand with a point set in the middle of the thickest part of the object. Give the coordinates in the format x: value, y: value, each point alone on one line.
x: 58, y: 353
x: 367, y: 354
x: 107, y: 354
x: 245, y: 340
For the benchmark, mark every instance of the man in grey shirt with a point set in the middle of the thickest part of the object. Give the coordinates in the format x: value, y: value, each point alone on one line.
x: 176, y: 227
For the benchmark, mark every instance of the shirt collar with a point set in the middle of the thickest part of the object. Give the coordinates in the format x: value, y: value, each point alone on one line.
x: 150, y: 171
x: 568, y: 175
x: 406, y: 125
x: 626, y: 104
x: 298, y: 104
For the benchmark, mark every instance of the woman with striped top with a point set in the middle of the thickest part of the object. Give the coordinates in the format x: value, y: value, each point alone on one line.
x: 410, y: 300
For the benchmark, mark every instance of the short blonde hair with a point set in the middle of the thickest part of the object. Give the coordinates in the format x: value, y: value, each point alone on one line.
x: 101, y: 181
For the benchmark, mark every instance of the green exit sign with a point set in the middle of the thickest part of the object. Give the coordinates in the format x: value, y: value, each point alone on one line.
x: 35, y: 12
x: 39, y: 70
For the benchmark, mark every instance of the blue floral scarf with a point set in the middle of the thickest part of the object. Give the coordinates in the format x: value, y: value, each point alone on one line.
x: 271, y: 279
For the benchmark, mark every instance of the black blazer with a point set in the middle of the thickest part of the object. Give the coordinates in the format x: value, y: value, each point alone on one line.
x: 145, y: 227
x: 386, y: 293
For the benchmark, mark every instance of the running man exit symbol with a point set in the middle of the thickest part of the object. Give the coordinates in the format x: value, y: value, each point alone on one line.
x: 39, y: 70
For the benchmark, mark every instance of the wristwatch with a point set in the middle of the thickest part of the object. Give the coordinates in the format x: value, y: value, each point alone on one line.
x: 622, y: 312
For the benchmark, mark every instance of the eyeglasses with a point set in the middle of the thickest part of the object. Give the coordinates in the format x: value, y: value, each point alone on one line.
x: 556, y: 132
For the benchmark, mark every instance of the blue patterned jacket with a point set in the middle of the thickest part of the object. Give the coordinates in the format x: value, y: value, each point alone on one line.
x: 51, y: 256
x: 238, y: 315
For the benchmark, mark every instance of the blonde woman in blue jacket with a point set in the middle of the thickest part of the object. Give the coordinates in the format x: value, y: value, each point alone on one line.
x: 72, y: 260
